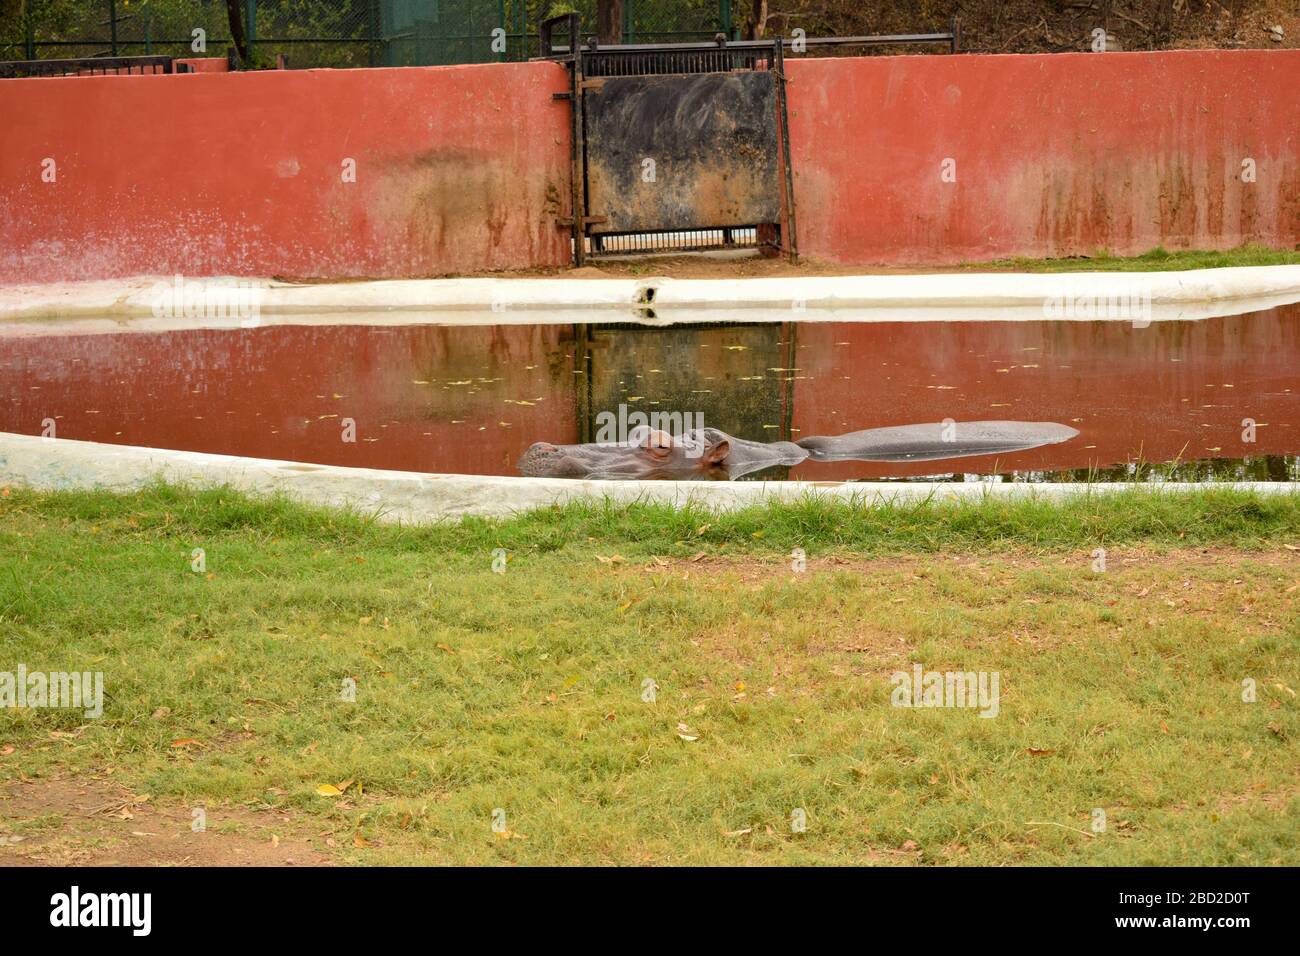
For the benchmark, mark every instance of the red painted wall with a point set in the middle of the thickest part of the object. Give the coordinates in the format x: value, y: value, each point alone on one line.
x: 465, y: 168
x: 458, y: 169
x: 1056, y: 154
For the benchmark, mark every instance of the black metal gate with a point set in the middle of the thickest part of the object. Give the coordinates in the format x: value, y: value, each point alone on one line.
x: 677, y: 148
x: 682, y: 153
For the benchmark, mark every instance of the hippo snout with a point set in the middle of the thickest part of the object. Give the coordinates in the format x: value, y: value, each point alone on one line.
x: 541, y: 460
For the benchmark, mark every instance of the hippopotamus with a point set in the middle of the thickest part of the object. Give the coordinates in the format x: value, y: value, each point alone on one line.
x: 704, y: 454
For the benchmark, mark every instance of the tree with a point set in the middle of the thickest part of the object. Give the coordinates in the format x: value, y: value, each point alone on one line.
x: 236, y: 29
x: 609, y: 22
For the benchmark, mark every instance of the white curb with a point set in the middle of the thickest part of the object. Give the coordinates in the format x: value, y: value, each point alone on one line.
x: 412, y: 497
x: 1165, y: 296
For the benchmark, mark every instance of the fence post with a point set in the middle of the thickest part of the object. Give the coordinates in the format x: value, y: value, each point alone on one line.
x: 112, y: 25
x: 373, y: 31
x: 724, y: 16
x: 250, y: 29
x: 501, y: 22
x: 30, y: 40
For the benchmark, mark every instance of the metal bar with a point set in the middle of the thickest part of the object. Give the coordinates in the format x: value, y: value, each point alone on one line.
x: 764, y: 45
x: 778, y: 68
x: 373, y: 22
x: 577, y: 145
x: 250, y: 28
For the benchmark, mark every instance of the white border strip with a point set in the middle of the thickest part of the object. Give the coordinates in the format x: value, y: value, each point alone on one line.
x: 412, y: 497
x: 1191, y: 294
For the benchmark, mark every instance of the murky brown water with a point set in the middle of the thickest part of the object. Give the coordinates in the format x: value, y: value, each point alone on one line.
x: 471, y: 399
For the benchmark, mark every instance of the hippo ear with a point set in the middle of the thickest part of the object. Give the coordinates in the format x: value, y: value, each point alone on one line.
x: 717, y: 453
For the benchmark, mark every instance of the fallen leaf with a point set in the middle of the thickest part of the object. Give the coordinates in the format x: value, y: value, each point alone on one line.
x: 6, y: 750
x: 736, y: 833
x: 1035, y: 752
x: 328, y: 790
x: 187, y: 742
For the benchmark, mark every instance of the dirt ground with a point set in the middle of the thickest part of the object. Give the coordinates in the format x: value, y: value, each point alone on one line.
x: 91, y: 821
x: 719, y: 267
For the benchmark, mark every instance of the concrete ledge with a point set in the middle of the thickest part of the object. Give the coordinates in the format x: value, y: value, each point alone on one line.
x: 1167, y: 296
x: 412, y: 497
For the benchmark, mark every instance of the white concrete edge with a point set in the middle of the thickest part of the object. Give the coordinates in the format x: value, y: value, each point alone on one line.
x: 416, y: 498
x: 1173, y: 295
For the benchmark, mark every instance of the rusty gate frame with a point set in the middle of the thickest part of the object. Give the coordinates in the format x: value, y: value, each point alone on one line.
x: 690, y: 58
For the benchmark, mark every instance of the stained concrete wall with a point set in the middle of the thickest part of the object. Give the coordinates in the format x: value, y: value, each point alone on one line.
x: 1053, y: 154
x: 465, y: 168
x: 458, y: 169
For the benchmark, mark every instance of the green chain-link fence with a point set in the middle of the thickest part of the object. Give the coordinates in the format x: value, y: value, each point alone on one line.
x: 334, y: 33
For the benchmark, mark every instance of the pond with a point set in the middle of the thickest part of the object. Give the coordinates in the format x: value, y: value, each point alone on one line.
x: 1214, y: 398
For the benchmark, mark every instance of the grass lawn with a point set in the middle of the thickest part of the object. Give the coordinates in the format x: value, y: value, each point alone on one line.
x: 1120, y: 691
x: 1157, y: 260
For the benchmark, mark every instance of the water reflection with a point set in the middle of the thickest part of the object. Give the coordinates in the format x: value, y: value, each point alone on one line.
x: 1218, y: 396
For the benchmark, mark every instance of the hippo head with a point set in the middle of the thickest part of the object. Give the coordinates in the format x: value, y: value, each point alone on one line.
x: 647, y: 454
